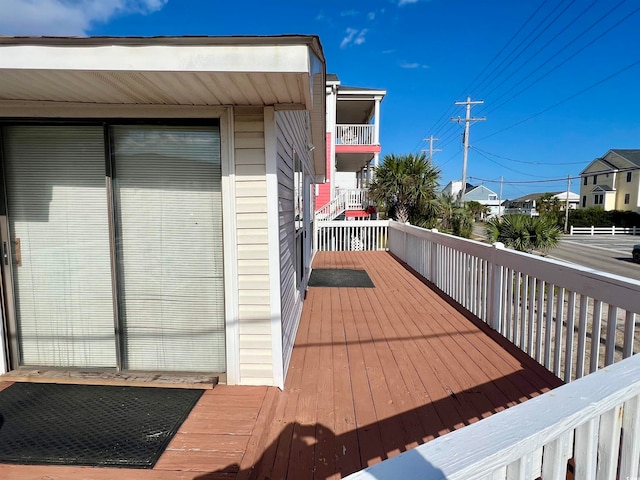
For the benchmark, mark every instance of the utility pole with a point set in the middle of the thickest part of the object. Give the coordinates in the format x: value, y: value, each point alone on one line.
x: 566, y: 206
x: 500, y: 197
x: 431, y: 149
x: 467, y: 121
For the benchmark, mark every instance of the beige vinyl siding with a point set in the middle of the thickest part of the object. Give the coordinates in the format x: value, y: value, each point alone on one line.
x: 253, y: 246
x: 292, y: 134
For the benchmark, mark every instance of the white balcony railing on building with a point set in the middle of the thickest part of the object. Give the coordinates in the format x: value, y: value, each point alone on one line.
x: 572, y: 320
x: 355, y: 198
x: 356, y: 134
x: 351, y: 236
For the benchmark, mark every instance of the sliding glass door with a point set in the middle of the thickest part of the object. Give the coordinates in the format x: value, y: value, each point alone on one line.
x: 115, y: 246
x: 169, y: 247
x: 59, y: 234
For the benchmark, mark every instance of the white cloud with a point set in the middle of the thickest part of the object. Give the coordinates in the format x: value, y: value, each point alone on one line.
x: 66, y: 17
x: 371, y: 15
x: 350, y: 13
x: 354, y: 36
x: 413, y: 65
x: 402, y: 3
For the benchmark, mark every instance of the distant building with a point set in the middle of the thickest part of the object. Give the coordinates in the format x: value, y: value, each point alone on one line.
x: 612, y: 181
x: 481, y: 194
x: 527, y: 205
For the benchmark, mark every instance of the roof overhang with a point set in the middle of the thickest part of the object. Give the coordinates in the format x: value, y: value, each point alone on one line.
x: 356, y: 105
x: 286, y: 72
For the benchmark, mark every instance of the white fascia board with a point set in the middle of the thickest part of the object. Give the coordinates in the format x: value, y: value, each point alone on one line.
x: 159, y: 58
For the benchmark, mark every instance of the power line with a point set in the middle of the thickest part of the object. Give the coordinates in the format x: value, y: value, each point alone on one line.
x: 528, y: 60
x: 508, y: 168
x: 518, y: 31
x: 571, y: 97
x: 524, y: 161
x: 546, y: 74
x: 468, y: 88
x: 553, y: 20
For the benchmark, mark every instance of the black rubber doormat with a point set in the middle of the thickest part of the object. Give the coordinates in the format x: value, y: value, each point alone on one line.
x: 340, y: 277
x: 92, y: 425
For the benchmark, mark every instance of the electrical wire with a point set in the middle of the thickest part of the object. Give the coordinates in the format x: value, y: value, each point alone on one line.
x: 528, y: 60
x: 526, y: 47
x: 524, y: 161
x: 547, y: 73
x: 557, y: 104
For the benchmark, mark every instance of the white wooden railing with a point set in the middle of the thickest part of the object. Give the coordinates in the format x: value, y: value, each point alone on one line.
x: 571, y: 319
x: 351, y: 236
x: 595, y: 421
x: 356, y: 134
x: 355, y: 198
x: 604, y: 230
x: 532, y: 212
x: 345, y: 199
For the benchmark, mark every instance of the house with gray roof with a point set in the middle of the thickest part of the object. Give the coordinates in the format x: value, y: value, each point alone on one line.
x: 612, y: 181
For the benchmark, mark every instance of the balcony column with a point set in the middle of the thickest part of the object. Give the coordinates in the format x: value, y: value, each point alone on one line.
x: 376, y: 127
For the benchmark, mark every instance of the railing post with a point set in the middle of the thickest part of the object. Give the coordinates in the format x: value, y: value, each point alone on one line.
x: 571, y: 230
x: 496, y: 287
x: 435, y: 264
x: 592, y: 230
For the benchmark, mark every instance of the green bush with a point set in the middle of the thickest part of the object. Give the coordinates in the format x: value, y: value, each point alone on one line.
x: 597, y: 217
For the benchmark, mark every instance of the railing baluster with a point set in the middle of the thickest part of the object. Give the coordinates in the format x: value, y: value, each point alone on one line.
x: 629, y: 330
x: 571, y: 313
x: 548, y: 325
x: 540, y: 321
x: 557, y: 344
x: 630, y: 448
x: 582, y: 336
x: 596, y: 325
x: 586, y: 449
x: 610, y: 346
x: 609, y: 443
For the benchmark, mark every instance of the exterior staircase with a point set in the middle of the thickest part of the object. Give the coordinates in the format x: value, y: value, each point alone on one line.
x: 347, y: 203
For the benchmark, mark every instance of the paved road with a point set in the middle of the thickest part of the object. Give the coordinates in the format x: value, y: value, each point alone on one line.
x: 609, y: 253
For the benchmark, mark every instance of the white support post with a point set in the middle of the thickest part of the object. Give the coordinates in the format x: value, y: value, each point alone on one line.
x: 376, y: 121
x: 435, y: 264
x: 496, y: 288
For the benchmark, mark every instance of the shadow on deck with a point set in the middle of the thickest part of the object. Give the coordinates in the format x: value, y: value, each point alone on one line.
x: 374, y: 372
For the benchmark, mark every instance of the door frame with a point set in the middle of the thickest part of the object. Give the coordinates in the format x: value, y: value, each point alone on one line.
x: 193, y: 116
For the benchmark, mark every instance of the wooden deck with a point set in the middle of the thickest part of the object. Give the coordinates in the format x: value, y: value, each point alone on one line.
x: 375, y: 372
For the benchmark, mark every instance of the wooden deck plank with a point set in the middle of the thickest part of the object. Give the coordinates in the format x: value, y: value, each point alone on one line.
x: 374, y: 372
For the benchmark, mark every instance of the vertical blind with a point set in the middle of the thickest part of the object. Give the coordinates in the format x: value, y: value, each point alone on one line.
x: 57, y: 207
x: 169, y: 247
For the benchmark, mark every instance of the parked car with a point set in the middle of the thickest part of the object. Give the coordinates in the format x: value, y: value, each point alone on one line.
x: 636, y: 253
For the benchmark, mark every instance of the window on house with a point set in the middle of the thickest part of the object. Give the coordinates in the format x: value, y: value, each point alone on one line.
x: 493, y: 197
x: 629, y: 176
x: 584, y: 181
x: 595, y: 179
x: 627, y: 198
x: 298, y: 205
x: 584, y: 199
x: 599, y: 199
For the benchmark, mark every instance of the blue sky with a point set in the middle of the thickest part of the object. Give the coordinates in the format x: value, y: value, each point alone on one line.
x: 427, y: 54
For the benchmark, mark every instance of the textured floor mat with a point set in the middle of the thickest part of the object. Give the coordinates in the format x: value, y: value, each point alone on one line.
x: 340, y: 277
x: 91, y: 425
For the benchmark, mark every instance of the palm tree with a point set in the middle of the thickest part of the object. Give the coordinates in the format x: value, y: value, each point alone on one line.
x: 524, y: 233
x: 406, y: 186
x: 454, y: 218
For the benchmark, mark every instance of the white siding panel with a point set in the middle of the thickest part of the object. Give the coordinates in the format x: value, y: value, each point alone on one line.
x: 253, y: 246
x: 252, y: 252
x: 292, y: 134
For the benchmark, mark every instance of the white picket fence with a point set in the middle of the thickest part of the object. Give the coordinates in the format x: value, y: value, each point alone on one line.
x: 341, y: 235
x: 570, y: 319
x: 604, y: 230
